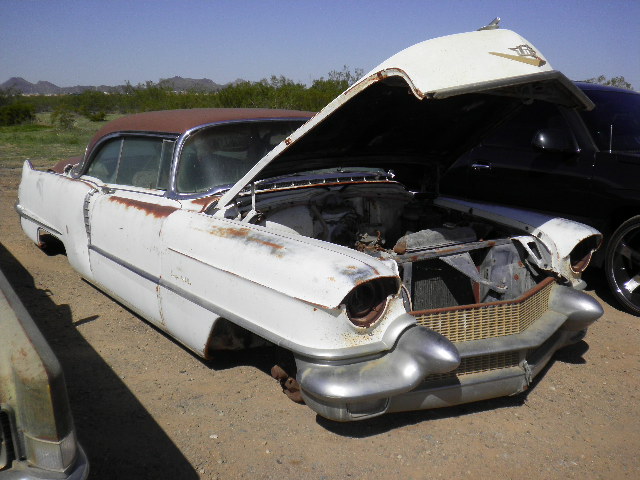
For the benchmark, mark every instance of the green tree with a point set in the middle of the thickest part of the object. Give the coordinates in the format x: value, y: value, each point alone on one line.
x: 276, y: 91
x: 8, y: 96
x: 92, y: 104
x: 13, y: 109
x: 323, y: 90
x: 63, y: 117
x: 613, y: 81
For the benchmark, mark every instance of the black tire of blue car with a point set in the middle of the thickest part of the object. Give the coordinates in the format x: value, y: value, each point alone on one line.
x: 622, y: 264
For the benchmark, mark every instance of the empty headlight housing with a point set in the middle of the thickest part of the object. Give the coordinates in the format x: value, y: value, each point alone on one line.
x: 366, y: 303
x: 580, y: 256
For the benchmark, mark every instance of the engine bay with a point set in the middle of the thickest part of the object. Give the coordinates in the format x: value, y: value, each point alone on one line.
x: 444, y: 257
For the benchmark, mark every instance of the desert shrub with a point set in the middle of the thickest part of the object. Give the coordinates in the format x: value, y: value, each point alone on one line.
x: 63, y: 117
x: 96, y: 116
x: 17, y: 113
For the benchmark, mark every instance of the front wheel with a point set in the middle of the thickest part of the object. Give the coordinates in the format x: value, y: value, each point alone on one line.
x: 622, y: 264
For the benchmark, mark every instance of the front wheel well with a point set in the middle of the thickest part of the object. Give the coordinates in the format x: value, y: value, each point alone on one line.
x: 226, y: 335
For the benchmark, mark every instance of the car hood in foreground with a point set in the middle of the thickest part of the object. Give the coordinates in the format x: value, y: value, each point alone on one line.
x: 424, y: 106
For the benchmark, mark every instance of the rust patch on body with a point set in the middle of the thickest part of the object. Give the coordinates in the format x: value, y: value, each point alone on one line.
x: 266, y: 243
x: 157, y: 211
x: 226, y: 232
x: 205, y: 202
x: 246, y: 234
x: 359, y: 275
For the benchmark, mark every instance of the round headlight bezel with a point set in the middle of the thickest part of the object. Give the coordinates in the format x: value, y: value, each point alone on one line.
x: 366, y: 303
x: 580, y: 256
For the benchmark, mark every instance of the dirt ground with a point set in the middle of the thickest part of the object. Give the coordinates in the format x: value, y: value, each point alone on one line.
x: 145, y: 407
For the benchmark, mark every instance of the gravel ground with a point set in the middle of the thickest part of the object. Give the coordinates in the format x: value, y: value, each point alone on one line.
x: 147, y: 408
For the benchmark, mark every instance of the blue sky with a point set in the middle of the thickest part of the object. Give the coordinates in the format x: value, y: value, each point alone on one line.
x: 109, y: 42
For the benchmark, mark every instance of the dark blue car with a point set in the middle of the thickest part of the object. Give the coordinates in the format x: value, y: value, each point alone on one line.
x: 583, y: 165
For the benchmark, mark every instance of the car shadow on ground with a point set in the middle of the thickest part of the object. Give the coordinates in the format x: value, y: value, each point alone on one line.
x: 262, y: 358
x: 120, y: 437
x: 572, y: 354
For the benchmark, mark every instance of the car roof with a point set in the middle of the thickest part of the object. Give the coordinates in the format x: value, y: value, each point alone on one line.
x: 588, y: 86
x: 179, y: 121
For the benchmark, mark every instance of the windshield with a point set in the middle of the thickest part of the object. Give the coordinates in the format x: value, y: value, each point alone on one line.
x: 615, y: 122
x: 223, y: 154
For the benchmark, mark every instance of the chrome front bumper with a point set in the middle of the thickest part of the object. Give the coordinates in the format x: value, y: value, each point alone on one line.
x: 424, y: 368
x: 21, y: 470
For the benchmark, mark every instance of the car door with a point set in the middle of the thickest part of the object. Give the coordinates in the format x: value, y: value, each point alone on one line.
x: 614, y: 126
x: 125, y: 218
x: 514, y: 165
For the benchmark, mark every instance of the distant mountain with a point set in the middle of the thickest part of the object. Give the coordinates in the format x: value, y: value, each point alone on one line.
x: 178, y: 84
x: 184, y: 84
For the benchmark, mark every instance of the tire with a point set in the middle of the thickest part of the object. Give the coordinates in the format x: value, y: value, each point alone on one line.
x: 622, y: 264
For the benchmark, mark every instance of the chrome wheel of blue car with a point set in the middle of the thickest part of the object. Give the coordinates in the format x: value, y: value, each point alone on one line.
x: 623, y: 264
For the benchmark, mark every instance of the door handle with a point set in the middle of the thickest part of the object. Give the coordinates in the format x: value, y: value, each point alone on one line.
x: 481, y: 167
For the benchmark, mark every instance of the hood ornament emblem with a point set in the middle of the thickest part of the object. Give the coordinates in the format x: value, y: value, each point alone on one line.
x: 525, y: 54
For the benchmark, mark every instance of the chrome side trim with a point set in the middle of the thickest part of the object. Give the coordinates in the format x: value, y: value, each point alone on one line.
x: 21, y: 212
x: 85, y: 214
x: 142, y: 273
x: 318, y: 355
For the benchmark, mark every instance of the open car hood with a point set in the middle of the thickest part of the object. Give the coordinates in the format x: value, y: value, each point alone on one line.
x: 424, y: 106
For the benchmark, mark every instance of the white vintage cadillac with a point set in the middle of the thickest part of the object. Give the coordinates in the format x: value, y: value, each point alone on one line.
x: 223, y: 226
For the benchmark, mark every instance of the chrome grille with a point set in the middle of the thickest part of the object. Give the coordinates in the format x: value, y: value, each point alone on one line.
x: 490, y: 320
x: 480, y: 364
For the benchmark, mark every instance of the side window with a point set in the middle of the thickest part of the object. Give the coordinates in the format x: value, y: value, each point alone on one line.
x: 105, y: 163
x: 519, y: 131
x: 134, y: 161
x: 615, y: 122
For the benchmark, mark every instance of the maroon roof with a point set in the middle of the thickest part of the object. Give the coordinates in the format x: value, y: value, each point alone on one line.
x: 179, y: 121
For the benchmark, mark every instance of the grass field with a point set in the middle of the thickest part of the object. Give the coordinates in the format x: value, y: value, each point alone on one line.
x: 43, y: 143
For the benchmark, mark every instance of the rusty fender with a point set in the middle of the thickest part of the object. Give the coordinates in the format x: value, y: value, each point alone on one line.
x: 558, y: 236
x: 286, y: 288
